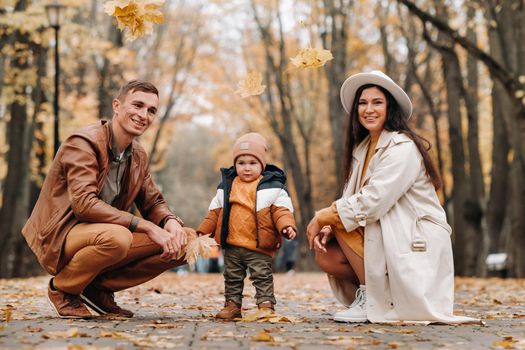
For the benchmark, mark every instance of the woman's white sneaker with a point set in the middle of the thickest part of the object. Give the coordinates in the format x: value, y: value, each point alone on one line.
x: 357, y: 311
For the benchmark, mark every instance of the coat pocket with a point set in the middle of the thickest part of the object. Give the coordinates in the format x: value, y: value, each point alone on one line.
x: 421, y: 231
x: 269, y: 240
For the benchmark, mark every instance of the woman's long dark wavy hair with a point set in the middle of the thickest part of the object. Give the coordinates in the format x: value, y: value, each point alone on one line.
x: 395, y: 121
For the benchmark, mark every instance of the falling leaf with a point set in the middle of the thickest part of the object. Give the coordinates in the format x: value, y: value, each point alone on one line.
x: 251, y: 85
x: 311, y: 58
x: 262, y: 336
x: 136, y: 15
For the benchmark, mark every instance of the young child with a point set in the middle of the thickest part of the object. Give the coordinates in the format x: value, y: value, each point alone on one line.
x: 248, y: 215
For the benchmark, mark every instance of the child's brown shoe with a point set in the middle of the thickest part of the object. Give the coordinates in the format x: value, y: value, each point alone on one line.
x: 266, y: 306
x: 230, y: 311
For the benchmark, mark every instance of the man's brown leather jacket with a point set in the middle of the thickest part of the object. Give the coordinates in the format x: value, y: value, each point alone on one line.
x: 70, y: 193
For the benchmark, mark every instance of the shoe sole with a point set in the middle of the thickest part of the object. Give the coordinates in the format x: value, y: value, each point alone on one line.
x: 62, y: 316
x: 98, y: 310
x: 350, y: 320
x: 92, y: 305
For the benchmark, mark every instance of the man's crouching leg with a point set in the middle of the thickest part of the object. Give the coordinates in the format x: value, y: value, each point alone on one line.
x: 89, y: 248
x: 141, y: 264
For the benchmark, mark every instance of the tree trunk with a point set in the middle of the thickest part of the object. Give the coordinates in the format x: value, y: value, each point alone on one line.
x: 477, y: 201
x: 110, y: 77
x: 15, y: 204
x: 335, y: 39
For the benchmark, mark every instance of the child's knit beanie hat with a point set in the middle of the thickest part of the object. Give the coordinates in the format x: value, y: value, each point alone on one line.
x: 253, y: 144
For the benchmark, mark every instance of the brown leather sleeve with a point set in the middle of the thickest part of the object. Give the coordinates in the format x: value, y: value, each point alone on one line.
x: 282, y: 217
x: 81, y: 171
x: 209, y: 224
x: 330, y: 217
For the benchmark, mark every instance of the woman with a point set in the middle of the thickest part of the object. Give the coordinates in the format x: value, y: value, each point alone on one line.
x: 390, y: 210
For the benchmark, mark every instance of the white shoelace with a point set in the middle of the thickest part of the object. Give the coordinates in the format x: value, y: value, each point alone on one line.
x: 359, y: 298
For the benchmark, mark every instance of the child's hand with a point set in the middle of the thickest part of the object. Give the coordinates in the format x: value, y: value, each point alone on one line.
x: 289, y: 232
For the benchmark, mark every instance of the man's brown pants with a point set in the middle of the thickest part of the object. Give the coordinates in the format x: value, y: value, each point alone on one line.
x: 111, y: 257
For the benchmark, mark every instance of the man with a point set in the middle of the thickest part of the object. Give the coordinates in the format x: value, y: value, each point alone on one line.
x: 81, y: 230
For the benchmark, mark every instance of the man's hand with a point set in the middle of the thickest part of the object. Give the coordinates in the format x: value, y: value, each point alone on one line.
x: 171, y: 238
x: 180, y: 239
x: 289, y: 233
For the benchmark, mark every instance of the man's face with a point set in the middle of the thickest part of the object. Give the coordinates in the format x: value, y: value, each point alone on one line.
x: 136, y: 112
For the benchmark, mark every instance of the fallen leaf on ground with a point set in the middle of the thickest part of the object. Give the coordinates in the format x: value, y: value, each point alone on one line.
x: 8, y: 313
x: 71, y: 333
x: 265, y: 315
x: 506, y: 343
x: 262, y: 336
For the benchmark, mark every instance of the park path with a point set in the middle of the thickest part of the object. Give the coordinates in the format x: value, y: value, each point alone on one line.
x: 176, y: 312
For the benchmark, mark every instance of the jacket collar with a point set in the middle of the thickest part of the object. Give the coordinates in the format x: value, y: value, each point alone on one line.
x: 113, y: 148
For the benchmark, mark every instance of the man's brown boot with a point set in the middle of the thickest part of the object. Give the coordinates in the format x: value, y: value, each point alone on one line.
x: 103, y: 301
x: 266, y: 306
x: 66, y: 305
x: 230, y: 311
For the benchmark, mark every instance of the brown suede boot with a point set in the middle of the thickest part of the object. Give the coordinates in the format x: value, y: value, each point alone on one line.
x: 230, y: 311
x: 66, y: 305
x: 266, y: 306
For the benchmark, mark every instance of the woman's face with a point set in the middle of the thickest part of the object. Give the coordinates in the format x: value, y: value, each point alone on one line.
x: 372, y: 110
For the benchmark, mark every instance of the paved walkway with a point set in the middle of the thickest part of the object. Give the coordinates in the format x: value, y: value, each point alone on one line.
x: 176, y: 311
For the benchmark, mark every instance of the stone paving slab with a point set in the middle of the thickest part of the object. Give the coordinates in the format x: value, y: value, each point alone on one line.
x: 176, y: 312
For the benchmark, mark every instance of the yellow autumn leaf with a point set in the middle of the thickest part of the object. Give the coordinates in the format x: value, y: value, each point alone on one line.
x: 262, y: 336
x: 8, y: 313
x: 197, y: 246
x: 71, y: 333
x: 251, y: 85
x: 311, y: 58
x: 506, y: 343
x: 136, y: 15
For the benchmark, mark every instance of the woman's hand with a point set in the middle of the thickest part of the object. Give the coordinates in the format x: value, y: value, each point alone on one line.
x: 312, y: 230
x: 322, y: 238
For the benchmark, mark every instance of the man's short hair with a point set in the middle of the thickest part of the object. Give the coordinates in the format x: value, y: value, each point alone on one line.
x: 137, y: 85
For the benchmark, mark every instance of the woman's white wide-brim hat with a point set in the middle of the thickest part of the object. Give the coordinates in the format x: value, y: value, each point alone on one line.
x: 354, y: 82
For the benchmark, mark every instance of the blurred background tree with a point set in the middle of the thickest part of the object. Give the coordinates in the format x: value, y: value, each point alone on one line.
x: 462, y: 62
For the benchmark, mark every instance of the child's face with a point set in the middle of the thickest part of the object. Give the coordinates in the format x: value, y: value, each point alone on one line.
x: 248, y: 168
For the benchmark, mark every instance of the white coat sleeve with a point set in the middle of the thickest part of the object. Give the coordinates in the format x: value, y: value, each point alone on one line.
x: 396, y: 171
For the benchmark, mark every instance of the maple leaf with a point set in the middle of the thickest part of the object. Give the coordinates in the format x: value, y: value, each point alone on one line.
x: 136, y: 15
x: 251, y: 85
x: 197, y: 246
x: 311, y: 58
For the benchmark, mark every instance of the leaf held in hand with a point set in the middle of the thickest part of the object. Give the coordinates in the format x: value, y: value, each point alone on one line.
x: 311, y: 58
x: 197, y: 246
x: 251, y: 85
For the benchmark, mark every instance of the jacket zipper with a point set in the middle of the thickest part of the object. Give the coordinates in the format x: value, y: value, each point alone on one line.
x: 256, y: 219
